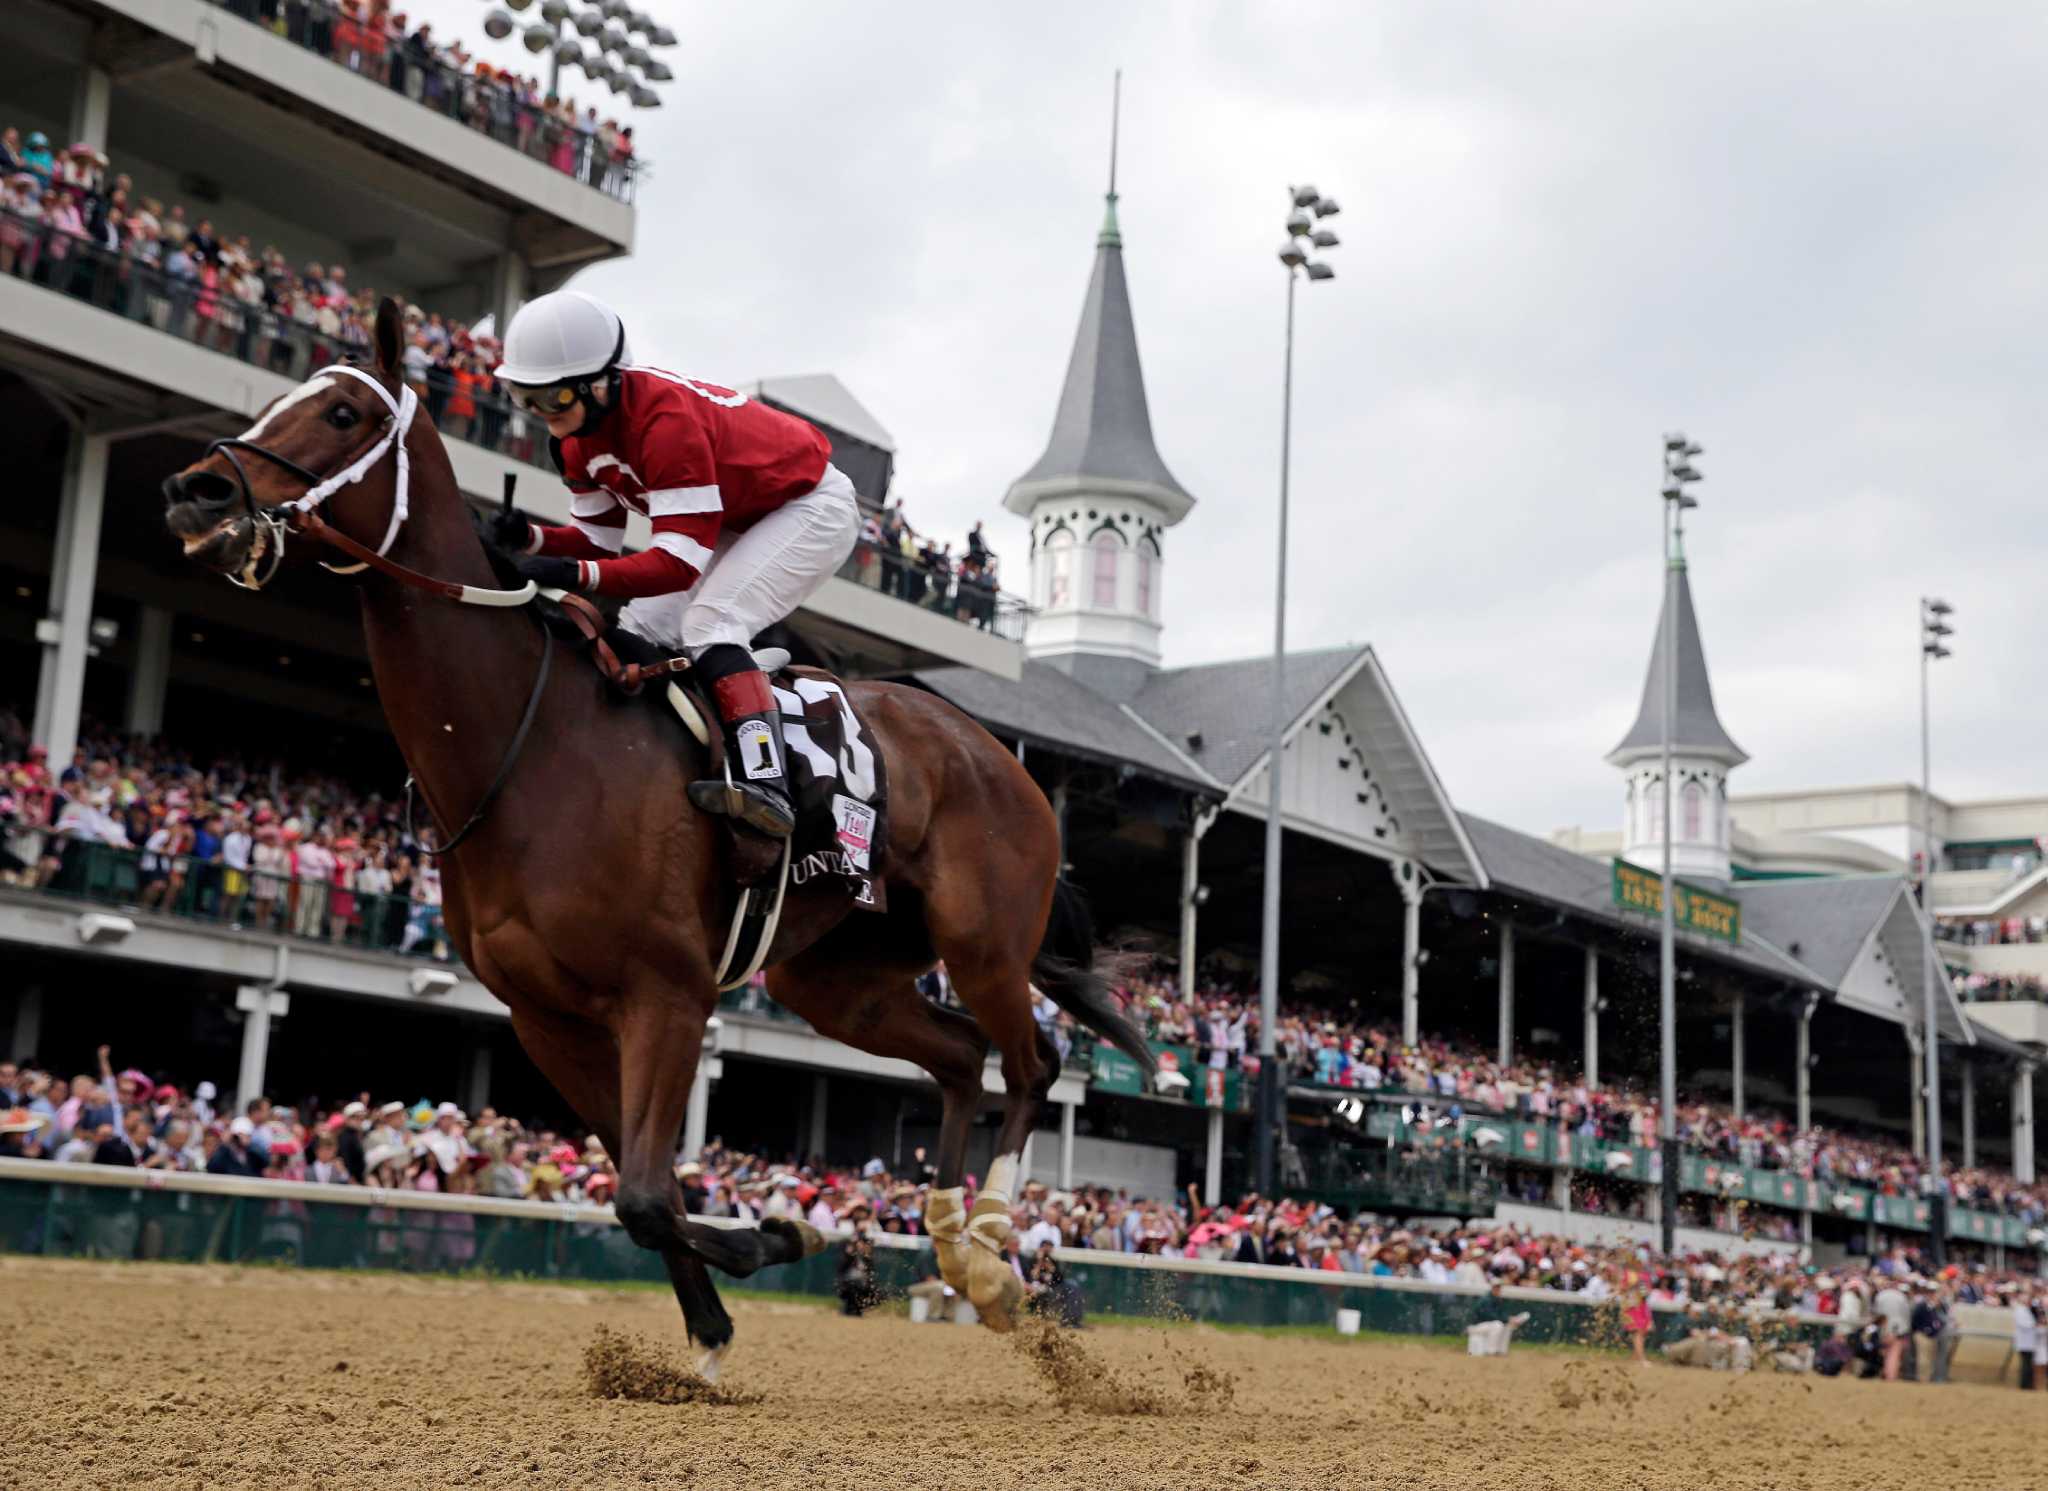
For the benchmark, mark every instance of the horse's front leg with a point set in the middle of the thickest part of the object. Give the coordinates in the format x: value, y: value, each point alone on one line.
x: 660, y: 1031
x: 581, y: 1060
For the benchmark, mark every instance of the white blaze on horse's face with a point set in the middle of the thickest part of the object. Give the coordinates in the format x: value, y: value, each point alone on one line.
x: 297, y: 395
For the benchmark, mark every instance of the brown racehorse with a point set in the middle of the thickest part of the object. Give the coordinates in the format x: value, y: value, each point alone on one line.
x: 592, y: 898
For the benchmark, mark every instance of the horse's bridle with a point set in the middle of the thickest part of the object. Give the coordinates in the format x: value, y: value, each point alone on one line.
x: 274, y: 524
x: 299, y: 516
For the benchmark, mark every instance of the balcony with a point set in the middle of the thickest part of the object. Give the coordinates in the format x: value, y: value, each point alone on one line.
x: 495, y: 108
x: 327, y: 132
x: 253, y: 333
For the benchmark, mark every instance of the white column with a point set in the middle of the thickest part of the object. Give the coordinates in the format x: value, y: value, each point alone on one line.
x: 1803, y: 1079
x: 820, y: 1086
x: 1507, y: 992
x: 28, y: 1023
x: 1190, y: 882
x: 2023, y: 1124
x: 67, y: 632
x: 150, y: 678
x: 1738, y: 1053
x: 1067, y: 1146
x: 1592, y: 1066
x: 1408, y: 880
x: 92, y: 96
x: 259, y: 1006
x: 1913, y: 1093
x: 476, y: 1079
x: 510, y: 286
x: 1967, y: 1076
x: 697, y: 1117
x: 1212, y: 1168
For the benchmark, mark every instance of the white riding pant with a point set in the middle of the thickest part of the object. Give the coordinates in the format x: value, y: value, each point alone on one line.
x: 756, y: 578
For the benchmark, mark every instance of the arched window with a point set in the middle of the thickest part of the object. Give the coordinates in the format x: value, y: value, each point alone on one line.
x: 1148, y: 599
x: 1058, y: 559
x: 1695, y: 803
x: 1630, y: 822
x: 1656, y: 813
x: 1108, y: 549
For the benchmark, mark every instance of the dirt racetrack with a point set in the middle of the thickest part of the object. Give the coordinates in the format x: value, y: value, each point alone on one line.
x: 185, y: 1377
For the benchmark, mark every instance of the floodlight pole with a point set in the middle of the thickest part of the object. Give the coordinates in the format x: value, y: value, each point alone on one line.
x: 1933, y: 627
x: 1667, y: 964
x: 1272, y: 1090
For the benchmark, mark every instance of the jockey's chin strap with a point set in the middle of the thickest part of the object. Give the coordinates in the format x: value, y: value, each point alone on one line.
x: 299, y: 515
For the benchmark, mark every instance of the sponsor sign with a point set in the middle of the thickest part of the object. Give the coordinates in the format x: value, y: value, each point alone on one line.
x: 1693, y: 909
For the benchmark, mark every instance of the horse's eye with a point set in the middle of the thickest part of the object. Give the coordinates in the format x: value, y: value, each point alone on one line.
x: 343, y: 416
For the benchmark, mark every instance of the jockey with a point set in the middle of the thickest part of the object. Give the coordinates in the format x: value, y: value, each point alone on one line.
x: 749, y: 517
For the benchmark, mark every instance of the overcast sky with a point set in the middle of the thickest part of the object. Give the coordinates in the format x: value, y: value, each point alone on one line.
x: 1810, y: 236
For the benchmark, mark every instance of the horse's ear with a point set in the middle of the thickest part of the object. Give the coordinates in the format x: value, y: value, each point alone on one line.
x: 390, y: 337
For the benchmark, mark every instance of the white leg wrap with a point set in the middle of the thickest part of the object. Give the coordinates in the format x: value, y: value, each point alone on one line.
x: 945, y: 1220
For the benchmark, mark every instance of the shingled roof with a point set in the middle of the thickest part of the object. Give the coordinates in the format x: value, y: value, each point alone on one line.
x: 1102, y: 431
x: 1695, y: 727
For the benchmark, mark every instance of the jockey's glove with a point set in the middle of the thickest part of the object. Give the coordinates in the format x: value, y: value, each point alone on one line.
x: 510, y: 531
x: 550, y: 572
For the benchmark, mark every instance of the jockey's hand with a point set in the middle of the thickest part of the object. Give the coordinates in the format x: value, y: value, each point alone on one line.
x: 549, y: 571
x: 510, y: 531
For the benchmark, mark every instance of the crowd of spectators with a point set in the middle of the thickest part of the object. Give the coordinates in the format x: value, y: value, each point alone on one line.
x: 244, y: 843
x: 1993, y: 932
x: 132, y: 1118
x: 67, y: 223
x: 1330, y: 1049
x: 371, y: 38
x: 897, y: 560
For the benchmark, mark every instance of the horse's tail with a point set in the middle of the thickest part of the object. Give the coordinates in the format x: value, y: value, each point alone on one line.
x: 1067, y: 970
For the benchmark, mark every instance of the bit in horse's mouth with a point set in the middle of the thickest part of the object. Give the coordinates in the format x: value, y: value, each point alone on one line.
x: 230, y: 545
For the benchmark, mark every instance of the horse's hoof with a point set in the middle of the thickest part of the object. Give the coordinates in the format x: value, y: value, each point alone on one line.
x: 952, y: 1256
x: 995, y: 1289
x: 712, y: 1362
x: 809, y: 1241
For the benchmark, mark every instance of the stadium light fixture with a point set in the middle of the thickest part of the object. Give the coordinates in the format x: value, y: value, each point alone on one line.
x: 554, y: 12
x: 519, y: 4
x: 498, y: 24
x: 1326, y: 207
x: 589, y: 22
x: 614, y: 38
x: 620, y: 81
x: 658, y: 72
x: 537, y: 38
x: 1270, y: 1122
x: 661, y: 36
x: 638, y: 56
x: 615, y: 10
x: 643, y: 97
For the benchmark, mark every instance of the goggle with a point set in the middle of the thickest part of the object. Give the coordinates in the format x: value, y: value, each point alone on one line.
x: 556, y: 398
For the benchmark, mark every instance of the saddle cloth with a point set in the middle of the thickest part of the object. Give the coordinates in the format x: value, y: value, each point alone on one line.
x: 836, y: 784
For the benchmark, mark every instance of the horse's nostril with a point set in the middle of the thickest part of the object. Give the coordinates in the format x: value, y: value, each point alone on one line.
x: 205, y: 488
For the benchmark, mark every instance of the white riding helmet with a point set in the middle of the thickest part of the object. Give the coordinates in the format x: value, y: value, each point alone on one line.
x: 563, y: 337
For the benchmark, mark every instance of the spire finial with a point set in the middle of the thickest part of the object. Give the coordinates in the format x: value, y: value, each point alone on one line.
x: 1112, y: 236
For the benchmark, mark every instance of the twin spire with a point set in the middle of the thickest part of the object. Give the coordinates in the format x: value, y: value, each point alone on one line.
x: 1102, y: 430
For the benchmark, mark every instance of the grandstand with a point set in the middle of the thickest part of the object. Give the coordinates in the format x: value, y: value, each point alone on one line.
x: 1404, y: 915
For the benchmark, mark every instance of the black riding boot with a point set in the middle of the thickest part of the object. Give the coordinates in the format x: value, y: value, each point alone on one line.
x: 758, y: 791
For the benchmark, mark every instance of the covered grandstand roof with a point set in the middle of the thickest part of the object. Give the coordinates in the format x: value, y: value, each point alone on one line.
x: 1226, y: 704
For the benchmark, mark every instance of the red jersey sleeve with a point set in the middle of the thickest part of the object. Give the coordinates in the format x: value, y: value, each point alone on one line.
x: 678, y: 472
x: 597, y: 521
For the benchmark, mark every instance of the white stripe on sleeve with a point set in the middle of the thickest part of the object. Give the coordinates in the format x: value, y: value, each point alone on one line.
x: 592, y: 504
x: 684, y: 548
x: 676, y: 502
x: 611, y: 540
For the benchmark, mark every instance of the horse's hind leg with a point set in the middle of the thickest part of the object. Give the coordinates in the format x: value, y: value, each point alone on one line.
x: 875, y: 1007
x: 583, y: 1063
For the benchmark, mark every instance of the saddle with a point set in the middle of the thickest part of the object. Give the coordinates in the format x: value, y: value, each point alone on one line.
x: 836, y: 782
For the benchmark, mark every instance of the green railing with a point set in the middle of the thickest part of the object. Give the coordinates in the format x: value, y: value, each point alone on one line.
x: 1551, y: 1147
x: 87, y: 1211
x: 246, y: 900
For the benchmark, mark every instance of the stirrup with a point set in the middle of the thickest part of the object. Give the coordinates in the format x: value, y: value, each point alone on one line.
x: 766, y: 812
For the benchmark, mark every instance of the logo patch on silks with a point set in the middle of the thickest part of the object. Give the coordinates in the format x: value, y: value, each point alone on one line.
x: 856, y: 829
x: 757, y: 750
